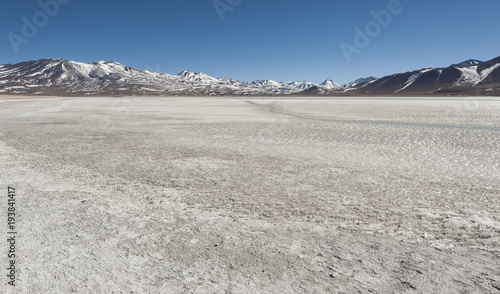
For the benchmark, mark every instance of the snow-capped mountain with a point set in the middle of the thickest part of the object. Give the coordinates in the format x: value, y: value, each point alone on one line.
x: 187, y: 76
x: 265, y: 83
x: 293, y: 86
x: 64, y: 77
x: 330, y: 85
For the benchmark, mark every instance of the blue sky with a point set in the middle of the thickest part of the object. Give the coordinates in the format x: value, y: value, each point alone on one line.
x: 257, y: 39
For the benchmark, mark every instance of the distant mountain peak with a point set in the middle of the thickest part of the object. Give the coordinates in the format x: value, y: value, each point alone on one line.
x: 189, y: 76
x: 185, y: 73
x: 469, y: 62
x: 330, y: 85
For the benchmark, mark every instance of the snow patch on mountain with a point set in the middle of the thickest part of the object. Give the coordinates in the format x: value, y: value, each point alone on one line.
x: 410, y: 81
x: 413, y: 78
x: 471, y: 77
x: 486, y: 72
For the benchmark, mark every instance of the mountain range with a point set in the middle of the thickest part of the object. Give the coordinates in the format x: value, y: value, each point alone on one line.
x: 70, y: 78
x: 471, y: 77
x: 108, y: 78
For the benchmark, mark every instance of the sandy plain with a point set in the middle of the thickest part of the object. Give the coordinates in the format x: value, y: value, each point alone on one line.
x: 253, y: 195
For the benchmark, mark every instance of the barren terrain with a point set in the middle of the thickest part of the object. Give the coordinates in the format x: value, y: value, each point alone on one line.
x: 253, y: 195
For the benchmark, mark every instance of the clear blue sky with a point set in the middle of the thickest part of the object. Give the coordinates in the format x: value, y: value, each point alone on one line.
x: 259, y: 39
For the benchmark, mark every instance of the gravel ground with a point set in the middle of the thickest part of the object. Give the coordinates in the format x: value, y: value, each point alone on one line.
x: 253, y: 195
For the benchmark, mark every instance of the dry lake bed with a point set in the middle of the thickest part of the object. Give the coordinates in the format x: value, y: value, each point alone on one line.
x: 252, y: 195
